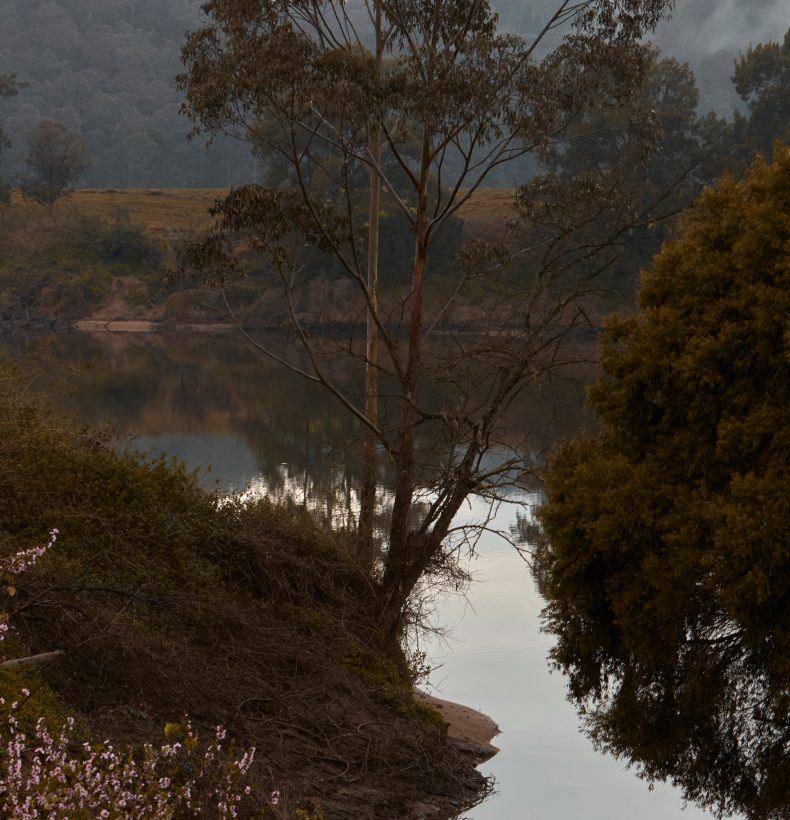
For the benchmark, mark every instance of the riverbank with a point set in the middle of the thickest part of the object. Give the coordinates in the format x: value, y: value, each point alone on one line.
x: 250, y: 616
x: 467, y: 728
x: 102, y: 258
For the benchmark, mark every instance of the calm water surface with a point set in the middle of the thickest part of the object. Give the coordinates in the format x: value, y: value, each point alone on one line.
x: 211, y: 402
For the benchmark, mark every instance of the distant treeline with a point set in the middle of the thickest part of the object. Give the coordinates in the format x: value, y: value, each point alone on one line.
x: 106, y: 69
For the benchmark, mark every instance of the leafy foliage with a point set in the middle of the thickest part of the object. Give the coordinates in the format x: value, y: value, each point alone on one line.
x: 9, y: 87
x: 762, y: 79
x: 656, y: 145
x: 56, y: 158
x: 63, y: 267
x: 665, y: 564
x: 58, y: 778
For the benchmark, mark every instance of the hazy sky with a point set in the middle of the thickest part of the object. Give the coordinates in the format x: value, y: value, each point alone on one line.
x: 704, y: 26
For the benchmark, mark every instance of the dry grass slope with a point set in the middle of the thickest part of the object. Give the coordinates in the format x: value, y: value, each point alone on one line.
x: 162, y: 212
x: 174, y: 211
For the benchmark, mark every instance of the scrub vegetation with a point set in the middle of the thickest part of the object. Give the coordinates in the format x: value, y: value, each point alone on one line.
x: 166, y: 603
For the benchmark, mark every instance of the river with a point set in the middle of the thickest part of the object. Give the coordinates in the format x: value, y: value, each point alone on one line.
x: 210, y: 401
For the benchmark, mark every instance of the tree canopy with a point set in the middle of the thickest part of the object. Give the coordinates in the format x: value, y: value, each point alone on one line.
x: 762, y: 79
x: 665, y: 557
x: 56, y: 158
x: 689, y: 150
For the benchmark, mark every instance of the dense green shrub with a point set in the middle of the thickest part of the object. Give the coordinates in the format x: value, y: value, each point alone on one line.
x: 111, y: 242
x: 667, y: 568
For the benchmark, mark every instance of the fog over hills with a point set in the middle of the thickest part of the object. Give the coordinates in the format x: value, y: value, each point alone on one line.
x: 106, y: 69
x: 710, y: 34
x: 699, y: 27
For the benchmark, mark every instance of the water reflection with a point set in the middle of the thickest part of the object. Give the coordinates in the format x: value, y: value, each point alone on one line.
x: 209, y: 400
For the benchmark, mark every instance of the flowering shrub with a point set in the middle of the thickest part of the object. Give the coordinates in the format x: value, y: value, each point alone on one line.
x: 17, y: 564
x: 22, y: 561
x: 52, y: 776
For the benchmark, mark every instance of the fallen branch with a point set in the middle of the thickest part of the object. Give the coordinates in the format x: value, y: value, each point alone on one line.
x: 32, y: 660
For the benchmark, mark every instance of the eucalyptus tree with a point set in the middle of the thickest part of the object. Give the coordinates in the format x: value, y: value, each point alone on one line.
x: 432, y: 89
x: 762, y: 80
x: 56, y: 158
x: 10, y: 86
x: 691, y: 152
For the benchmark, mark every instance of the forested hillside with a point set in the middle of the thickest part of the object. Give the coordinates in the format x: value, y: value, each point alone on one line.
x: 106, y: 68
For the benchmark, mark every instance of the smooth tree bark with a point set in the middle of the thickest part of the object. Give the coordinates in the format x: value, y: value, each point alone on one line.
x: 369, y: 484
x: 313, y: 81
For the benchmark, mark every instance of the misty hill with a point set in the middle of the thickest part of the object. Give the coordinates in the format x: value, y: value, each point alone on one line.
x: 707, y: 34
x: 106, y: 68
x: 710, y: 34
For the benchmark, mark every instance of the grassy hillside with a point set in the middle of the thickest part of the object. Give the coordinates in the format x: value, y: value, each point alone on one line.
x: 173, y: 211
x: 162, y: 213
x: 166, y: 604
x: 59, y: 268
x: 101, y: 257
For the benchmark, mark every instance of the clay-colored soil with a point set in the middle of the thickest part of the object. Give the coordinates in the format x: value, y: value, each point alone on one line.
x: 471, y: 728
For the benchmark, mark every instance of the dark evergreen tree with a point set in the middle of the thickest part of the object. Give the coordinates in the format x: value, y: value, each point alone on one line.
x: 9, y: 87
x: 666, y: 563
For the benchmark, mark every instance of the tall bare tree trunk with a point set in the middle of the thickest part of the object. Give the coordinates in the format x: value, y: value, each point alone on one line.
x: 405, y: 548
x: 369, y: 459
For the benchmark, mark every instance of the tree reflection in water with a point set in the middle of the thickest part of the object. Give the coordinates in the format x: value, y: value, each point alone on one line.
x: 181, y: 388
x: 210, y: 399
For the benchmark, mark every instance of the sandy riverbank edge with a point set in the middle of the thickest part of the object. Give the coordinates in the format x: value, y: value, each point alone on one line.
x: 470, y: 730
